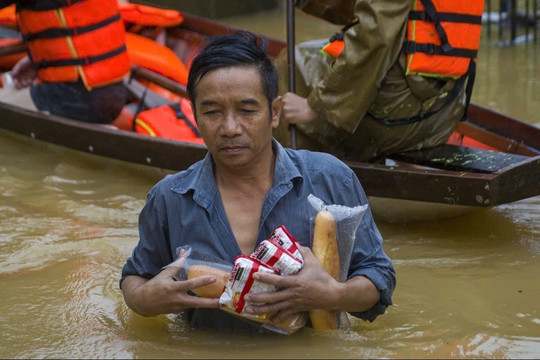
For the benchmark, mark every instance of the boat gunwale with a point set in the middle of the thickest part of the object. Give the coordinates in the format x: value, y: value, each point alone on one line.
x: 404, y: 181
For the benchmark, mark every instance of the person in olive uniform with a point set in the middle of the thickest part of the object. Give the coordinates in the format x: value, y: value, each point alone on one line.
x: 360, y: 104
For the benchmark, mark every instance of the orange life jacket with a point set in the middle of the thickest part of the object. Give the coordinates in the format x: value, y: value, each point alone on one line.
x: 149, y: 54
x: 443, y: 37
x: 149, y: 15
x: 336, y: 45
x: 70, y: 40
x: 8, y: 16
x: 174, y: 122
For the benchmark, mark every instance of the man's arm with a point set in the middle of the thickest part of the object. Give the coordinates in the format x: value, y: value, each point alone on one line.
x: 372, y: 46
x: 163, y: 294
x: 371, y: 275
x: 313, y: 288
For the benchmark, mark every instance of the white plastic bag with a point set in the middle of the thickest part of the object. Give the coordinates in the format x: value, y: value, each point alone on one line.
x: 347, y: 219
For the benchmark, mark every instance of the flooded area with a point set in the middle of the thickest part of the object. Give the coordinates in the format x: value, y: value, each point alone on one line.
x: 467, y: 286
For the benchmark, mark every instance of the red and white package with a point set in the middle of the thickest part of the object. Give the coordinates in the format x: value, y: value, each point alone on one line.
x: 273, y: 254
x: 282, y: 236
x: 241, y: 282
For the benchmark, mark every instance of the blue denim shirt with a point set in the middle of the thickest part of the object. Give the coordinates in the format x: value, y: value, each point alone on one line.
x: 186, y: 209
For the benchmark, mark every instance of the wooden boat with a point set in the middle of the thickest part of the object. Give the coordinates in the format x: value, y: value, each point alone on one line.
x: 492, y: 159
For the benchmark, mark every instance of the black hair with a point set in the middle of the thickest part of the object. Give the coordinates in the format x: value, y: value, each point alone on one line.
x: 241, y: 48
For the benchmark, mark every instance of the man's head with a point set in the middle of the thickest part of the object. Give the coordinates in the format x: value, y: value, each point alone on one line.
x: 239, y: 49
x: 233, y: 88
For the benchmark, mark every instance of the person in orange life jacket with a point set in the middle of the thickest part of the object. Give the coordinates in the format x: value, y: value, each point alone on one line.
x: 367, y: 99
x: 75, y: 64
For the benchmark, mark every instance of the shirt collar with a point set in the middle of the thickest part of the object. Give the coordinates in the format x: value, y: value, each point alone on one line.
x: 285, y: 169
x: 200, y: 176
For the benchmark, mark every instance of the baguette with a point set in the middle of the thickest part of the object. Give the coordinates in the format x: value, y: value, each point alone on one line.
x: 213, y: 290
x: 325, y: 248
x: 292, y: 323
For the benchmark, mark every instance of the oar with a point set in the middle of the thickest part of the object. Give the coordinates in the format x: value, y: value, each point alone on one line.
x: 290, y: 61
x: 160, y: 80
x: 147, y: 97
x: 12, y: 49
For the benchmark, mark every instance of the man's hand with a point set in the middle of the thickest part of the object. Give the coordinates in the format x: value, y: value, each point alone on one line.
x: 164, y: 295
x: 311, y: 288
x: 296, y: 110
x: 23, y: 73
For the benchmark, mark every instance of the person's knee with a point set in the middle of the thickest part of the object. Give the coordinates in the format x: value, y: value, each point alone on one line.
x: 107, y: 103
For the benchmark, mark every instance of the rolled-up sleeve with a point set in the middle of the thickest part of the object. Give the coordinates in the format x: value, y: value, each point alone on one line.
x: 152, y: 252
x: 369, y: 259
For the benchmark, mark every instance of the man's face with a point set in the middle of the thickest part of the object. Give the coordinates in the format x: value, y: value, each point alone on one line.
x: 233, y: 116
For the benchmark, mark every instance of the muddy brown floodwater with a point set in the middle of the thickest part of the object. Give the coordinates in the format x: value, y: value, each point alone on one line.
x: 467, y: 286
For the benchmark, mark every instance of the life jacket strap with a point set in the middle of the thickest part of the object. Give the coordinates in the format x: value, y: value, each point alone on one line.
x: 180, y: 115
x: 410, y: 47
x: 446, y: 17
x: 335, y: 44
x: 469, y: 78
x: 470, y: 83
x: 434, y: 16
x: 45, y: 5
x: 63, y: 32
x: 79, y: 61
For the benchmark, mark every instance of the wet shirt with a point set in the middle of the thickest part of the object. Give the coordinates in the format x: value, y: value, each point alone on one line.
x: 186, y: 209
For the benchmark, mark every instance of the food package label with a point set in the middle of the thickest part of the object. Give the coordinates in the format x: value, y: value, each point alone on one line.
x: 282, y: 236
x: 241, y: 282
x: 273, y: 254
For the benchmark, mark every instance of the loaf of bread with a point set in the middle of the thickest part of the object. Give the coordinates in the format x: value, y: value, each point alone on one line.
x: 213, y: 290
x: 325, y: 249
x: 292, y: 323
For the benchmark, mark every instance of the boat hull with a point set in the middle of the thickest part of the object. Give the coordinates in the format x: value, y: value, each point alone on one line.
x: 404, y: 179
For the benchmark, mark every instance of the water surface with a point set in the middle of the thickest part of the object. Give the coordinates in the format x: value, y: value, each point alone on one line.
x: 468, y: 286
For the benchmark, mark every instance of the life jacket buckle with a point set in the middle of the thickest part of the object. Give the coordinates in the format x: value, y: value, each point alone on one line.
x: 446, y: 47
x: 336, y: 36
x: 409, y: 47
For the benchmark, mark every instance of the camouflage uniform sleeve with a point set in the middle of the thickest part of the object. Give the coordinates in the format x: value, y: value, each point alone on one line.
x: 349, y: 87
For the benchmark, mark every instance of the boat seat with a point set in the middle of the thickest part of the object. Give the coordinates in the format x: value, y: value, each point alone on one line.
x: 459, y: 158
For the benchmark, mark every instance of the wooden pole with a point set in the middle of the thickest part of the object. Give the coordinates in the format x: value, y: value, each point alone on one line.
x: 12, y: 49
x: 291, y: 61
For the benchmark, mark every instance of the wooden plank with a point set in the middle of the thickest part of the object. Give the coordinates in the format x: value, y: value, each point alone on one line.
x: 428, y: 185
x: 504, y: 125
x: 497, y: 141
x: 101, y: 140
x: 522, y: 179
x: 459, y: 158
